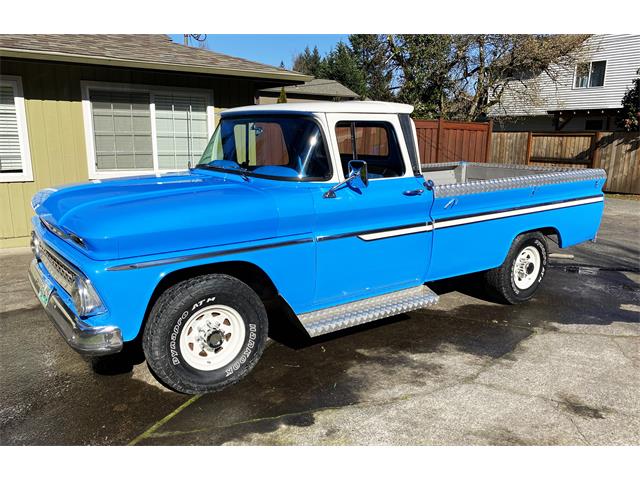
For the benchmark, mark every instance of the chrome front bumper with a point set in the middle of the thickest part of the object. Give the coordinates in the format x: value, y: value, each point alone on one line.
x: 83, y: 338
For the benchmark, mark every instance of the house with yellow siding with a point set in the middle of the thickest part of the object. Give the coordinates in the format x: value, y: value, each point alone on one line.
x: 75, y: 108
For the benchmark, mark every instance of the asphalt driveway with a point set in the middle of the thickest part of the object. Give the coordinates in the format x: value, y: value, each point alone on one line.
x: 562, y: 369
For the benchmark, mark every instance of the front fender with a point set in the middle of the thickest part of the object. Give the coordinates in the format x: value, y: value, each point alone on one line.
x: 127, y: 292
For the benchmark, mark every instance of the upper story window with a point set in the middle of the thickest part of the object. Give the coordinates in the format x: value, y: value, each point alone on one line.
x: 373, y: 142
x: 15, y: 159
x: 134, y: 129
x: 590, y: 74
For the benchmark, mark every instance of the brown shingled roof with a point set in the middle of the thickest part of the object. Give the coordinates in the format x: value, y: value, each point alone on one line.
x: 138, y: 51
x: 318, y: 87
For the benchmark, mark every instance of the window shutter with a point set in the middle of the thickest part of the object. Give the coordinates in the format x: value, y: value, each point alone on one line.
x: 10, y: 157
x: 181, y: 129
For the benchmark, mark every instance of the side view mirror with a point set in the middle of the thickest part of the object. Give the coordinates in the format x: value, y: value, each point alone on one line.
x: 358, y: 178
x: 358, y: 174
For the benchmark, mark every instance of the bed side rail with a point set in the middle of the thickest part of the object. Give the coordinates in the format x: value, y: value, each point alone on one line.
x: 533, y: 176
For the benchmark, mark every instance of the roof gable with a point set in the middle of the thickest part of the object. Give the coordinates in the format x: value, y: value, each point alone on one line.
x: 320, y: 87
x: 141, y: 51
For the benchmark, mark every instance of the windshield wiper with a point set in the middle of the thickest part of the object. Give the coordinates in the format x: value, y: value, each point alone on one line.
x: 243, y: 171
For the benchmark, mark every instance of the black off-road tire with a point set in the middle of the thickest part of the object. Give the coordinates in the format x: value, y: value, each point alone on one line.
x: 170, y: 314
x: 500, y: 283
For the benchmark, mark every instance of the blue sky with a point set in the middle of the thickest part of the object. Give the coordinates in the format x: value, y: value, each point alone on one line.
x: 270, y: 49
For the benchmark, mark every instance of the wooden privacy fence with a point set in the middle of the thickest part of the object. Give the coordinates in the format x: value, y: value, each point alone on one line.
x: 447, y: 141
x: 617, y: 152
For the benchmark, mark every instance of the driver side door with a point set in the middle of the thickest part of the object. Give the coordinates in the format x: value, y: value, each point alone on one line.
x: 376, y: 239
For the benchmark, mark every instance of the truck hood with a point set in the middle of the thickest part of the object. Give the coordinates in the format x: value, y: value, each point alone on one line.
x: 158, y: 214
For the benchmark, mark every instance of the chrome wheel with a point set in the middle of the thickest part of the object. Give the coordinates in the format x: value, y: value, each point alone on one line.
x: 212, y: 337
x: 526, y: 267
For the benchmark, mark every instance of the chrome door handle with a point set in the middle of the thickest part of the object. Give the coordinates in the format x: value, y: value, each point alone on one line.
x: 413, y: 193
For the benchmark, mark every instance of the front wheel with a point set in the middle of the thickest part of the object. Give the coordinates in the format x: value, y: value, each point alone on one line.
x: 205, y: 334
x: 518, y: 278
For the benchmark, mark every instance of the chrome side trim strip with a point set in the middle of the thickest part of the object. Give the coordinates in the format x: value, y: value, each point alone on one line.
x: 396, y: 233
x: 361, y: 233
x: 199, y: 256
x: 463, y: 220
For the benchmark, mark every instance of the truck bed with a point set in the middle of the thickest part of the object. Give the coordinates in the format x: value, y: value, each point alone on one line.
x: 479, y: 208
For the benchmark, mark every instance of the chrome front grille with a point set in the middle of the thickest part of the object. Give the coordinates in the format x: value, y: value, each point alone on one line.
x: 57, y: 267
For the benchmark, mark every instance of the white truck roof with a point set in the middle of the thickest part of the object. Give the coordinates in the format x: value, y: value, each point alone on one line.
x: 353, y: 106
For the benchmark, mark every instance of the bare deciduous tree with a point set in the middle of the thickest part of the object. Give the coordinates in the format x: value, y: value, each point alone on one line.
x: 462, y: 77
x: 466, y: 76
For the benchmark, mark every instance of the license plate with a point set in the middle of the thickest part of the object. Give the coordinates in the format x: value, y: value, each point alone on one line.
x: 44, y: 294
x: 42, y: 286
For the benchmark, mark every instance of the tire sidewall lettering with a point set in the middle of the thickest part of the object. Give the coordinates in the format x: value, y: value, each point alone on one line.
x: 173, y: 338
x: 235, y: 366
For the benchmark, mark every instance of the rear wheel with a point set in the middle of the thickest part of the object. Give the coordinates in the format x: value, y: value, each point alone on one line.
x: 205, y: 334
x: 518, y: 278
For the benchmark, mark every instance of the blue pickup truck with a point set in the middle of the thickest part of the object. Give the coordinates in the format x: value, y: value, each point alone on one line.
x: 321, y: 208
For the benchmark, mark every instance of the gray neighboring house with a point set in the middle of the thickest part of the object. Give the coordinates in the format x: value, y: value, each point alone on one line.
x: 586, y: 97
x: 318, y: 89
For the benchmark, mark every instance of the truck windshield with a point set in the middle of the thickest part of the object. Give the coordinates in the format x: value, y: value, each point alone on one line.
x: 290, y: 148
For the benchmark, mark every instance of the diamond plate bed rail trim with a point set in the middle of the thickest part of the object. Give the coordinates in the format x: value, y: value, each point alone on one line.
x: 546, y: 176
x: 351, y: 314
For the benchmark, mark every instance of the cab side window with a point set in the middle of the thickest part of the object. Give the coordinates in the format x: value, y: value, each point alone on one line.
x: 373, y: 142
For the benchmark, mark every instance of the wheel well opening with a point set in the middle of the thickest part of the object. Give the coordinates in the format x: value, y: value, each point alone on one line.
x: 277, y: 308
x: 551, y: 233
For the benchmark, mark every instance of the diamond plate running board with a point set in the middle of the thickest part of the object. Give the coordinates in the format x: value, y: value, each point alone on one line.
x: 368, y: 310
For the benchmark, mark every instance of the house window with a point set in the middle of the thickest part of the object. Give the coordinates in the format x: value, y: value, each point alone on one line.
x: 15, y: 159
x: 181, y: 129
x: 136, y: 129
x: 121, y: 130
x: 590, y: 74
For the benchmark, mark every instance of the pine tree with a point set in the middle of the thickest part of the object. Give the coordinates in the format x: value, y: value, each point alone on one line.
x: 308, y: 62
x: 283, y: 96
x: 341, y: 65
x: 372, y: 56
